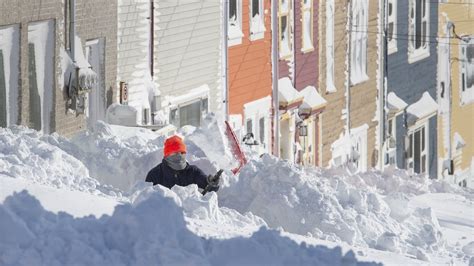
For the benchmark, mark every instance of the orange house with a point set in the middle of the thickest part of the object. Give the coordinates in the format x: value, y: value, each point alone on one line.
x: 250, y: 71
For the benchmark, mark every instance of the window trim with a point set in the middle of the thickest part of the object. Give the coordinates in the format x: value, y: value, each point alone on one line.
x: 177, y: 108
x: 307, y: 48
x: 423, y: 52
x: 235, y: 37
x: 359, y: 36
x: 258, y: 34
x: 289, y: 24
x: 392, y: 44
x: 466, y: 96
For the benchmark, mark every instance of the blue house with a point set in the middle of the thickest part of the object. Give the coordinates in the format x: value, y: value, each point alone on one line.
x: 411, y: 86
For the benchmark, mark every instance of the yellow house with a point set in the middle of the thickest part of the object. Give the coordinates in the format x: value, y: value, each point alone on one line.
x: 456, y: 92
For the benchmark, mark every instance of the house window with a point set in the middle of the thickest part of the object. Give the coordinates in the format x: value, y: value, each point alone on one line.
x: 467, y: 71
x: 359, y: 41
x: 392, y: 26
x: 417, y: 150
x: 189, y: 114
x: 330, y: 87
x: 261, y: 128
x: 257, y: 21
x: 235, y: 23
x: 418, y: 30
x: 390, y: 144
x: 285, y: 31
x: 307, y: 18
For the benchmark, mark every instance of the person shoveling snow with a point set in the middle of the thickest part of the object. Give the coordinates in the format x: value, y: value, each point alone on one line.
x: 175, y: 170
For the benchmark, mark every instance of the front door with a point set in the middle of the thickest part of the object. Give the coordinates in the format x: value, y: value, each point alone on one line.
x: 95, y: 54
x: 417, y: 153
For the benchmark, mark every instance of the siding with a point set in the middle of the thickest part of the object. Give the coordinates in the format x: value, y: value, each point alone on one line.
x: 188, y: 37
x: 250, y: 71
x: 410, y: 81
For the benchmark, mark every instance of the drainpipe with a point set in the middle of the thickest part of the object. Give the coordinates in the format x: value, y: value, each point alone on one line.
x: 225, y: 59
x: 276, y: 104
x: 72, y: 29
x: 152, y: 37
x: 383, y: 83
x: 348, y: 82
x: 450, y: 157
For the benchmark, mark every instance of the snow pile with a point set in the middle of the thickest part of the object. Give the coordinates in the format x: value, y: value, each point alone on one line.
x: 330, y: 205
x: 150, y: 231
x: 26, y: 153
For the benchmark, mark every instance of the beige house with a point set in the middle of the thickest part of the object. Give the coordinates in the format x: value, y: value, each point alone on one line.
x: 34, y: 52
x: 456, y: 93
x: 349, y: 122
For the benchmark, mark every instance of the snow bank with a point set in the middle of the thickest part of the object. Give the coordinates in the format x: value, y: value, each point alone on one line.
x: 150, y: 231
x: 333, y: 205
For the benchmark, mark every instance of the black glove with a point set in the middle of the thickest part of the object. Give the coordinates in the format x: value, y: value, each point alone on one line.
x: 214, y: 180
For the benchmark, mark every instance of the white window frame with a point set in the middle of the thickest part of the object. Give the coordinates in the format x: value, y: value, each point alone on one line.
x: 285, y: 11
x: 466, y: 69
x: 204, y: 109
x: 410, y: 158
x: 392, y: 19
x: 391, y: 153
x: 360, y: 21
x: 330, y: 87
x: 235, y: 34
x: 307, y: 41
x: 257, y: 25
x: 416, y: 54
x: 255, y: 111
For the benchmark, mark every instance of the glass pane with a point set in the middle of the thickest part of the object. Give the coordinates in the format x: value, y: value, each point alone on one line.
x: 35, y: 100
x: 390, y: 31
x: 174, y: 119
x: 190, y: 114
x: 255, y: 8
x: 390, y: 9
x: 233, y: 10
x: 249, y: 126
x: 469, y: 65
x: 423, y: 164
x: 283, y: 24
x: 417, y: 152
x: 3, y: 94
x: 418, y: 24
x: 423, y: 139
x: 262, y: 130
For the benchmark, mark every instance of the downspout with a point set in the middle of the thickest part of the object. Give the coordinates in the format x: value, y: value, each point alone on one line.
x: 72, y: 29
x: 450, y: 157
x: 276, y: 103
x: 152, y: 37
x: 383, y: 83
x: 225, y: 59
x: 348, y: 82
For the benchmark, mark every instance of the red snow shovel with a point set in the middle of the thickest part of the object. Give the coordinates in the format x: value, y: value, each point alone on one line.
x: 235, y: 148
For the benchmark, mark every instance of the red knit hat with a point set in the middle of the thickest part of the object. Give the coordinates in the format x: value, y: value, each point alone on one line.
x: 174, y: 144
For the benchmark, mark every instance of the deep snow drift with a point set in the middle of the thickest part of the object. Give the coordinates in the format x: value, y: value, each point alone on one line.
x: 367, y: 211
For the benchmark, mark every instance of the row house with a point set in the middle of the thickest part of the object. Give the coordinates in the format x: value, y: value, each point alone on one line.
x: 411, y: 110
x: 455, y: 92
x: 300, y: 101
x: 52, y: 63
x: 250, y: 72
x: 348, y: 80
x: 170, y: 60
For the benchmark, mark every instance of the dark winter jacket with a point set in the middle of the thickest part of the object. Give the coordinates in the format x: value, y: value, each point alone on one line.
x: 166, y: 176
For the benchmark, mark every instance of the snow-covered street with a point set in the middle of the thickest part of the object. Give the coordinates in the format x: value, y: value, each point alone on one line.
x: 84, y: 201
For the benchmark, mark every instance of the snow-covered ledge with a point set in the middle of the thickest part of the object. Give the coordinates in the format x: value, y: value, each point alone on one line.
x: 288, y: 96
x: 423, y: 109
x: 395, y: 104
x: 234, y: 34
x: 312, y: 101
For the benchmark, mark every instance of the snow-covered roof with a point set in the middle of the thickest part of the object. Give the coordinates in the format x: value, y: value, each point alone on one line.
x: 287, y: 94
x: 394, y: 103
x: 312, y: 100
x: 459, y: 142
x: 423, y: 108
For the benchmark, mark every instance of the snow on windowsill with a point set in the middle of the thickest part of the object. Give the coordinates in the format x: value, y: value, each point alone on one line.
x: 357, y: 79
x: 418, y: 55
x: 286, y: 92
x: 234, y: 34
x: 392, y: 48
x: 307, y: 49
x: 330, y: 88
